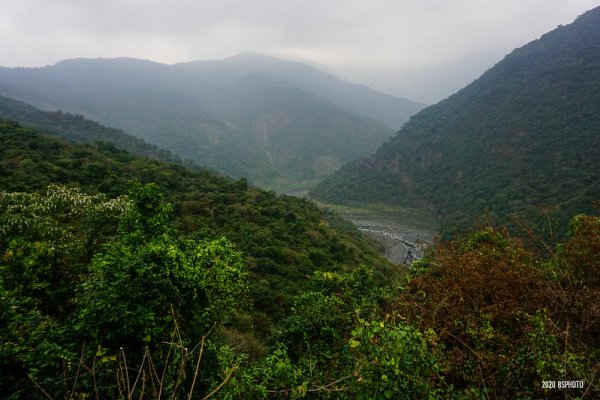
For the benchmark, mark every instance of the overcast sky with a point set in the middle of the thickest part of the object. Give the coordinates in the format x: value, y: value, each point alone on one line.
x: 420, y: 49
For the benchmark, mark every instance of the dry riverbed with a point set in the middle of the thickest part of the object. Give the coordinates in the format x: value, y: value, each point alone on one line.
x: 402, y: 243
x: 403, y: 232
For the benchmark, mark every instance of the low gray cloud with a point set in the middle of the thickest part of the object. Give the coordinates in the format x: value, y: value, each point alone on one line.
x: 416, y: 48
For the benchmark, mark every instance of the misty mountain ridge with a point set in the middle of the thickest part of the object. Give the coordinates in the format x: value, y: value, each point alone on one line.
x: 525, y: 134
x: 393, y: 111
x: 77, y: 129
x: 278, y: 123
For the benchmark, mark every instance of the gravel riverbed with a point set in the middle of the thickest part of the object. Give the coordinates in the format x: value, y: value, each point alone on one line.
x: 402, y: 243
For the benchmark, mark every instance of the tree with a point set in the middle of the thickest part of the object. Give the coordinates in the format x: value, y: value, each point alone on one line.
x: 86, y: 280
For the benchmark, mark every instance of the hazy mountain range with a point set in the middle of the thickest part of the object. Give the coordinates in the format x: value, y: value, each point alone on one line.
x: 278, y: 123
x: 525, y: 134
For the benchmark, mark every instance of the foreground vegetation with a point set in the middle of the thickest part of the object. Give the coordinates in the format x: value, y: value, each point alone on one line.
x: 284, y: 239
x: 197, y: 286
x: 104, y: 298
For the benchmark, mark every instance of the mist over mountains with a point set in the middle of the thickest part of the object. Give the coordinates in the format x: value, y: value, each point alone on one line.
x: 278, y: 123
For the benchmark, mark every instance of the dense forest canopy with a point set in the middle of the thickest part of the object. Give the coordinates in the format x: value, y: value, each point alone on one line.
x: 283, y: 237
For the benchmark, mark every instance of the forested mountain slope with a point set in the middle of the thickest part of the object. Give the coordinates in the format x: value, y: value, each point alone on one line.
x: 526, y: 133
x: 77, y: 129
x: 284, y: 239
x: 277, y: 123
x: 141, y: 296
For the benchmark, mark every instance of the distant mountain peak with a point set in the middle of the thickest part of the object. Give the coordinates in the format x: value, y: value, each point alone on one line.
x: 82, y: 61
x: 251, y: 55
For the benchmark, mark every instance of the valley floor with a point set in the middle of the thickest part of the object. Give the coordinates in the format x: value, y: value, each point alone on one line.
x: 402, y: 232
x: 402, y: 243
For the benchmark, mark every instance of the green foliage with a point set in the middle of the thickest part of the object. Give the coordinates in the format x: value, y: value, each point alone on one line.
x: 482, y: 316
x: 133, y: 281
x: 392, y: 361
x: 46, y: 244
x: 314, y: 332
x: 142, y: 296
x: 275, y: 377
x: 48, y: 240
x: 284, y: 239
x: 488, y: 238
x: 541, y: 356
x: 153, y: 278
x: 124, y: 295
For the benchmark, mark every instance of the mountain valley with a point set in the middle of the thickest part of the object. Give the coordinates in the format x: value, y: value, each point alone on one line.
x: 523, y: 138
x: 280, y: 124
x: 252, y: 228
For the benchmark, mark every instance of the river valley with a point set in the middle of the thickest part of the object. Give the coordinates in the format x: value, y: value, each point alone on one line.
x: 402, y: 243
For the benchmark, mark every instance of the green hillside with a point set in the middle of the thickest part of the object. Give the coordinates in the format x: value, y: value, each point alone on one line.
x: 141, y: 296
x: 284, y: 239
x: 525, y: 134
x: 77, y: 129
x: 83, y: 264
x: 302, y: 137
